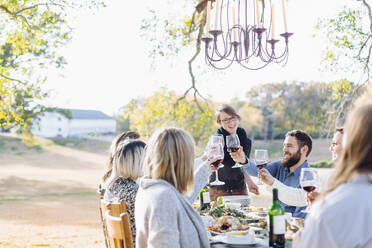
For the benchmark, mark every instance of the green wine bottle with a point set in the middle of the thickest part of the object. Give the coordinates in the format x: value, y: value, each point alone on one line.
x: 204, y: 198
x: 277, y: 223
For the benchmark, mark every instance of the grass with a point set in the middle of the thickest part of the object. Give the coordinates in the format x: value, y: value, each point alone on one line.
x: 88, y: 145
x: 17, y: 146
x: 9, y: 245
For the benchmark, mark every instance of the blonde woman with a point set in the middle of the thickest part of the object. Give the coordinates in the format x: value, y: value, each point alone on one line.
x: 114, y: 146
x: 343, y: 217
x: 127, y: 167
x: 164, y: 215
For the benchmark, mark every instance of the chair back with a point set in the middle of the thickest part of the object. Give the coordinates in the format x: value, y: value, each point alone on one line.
x: 115, y: 208
x: 118, y: 230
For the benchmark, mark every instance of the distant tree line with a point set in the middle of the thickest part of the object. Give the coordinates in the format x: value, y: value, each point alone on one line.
x: 267, y: 112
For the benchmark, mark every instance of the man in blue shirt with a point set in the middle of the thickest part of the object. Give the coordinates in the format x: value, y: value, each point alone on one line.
x: 296, y: 148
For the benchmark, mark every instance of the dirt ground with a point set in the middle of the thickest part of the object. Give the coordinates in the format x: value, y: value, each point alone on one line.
x: 47, y: 194
x: 47, y: 197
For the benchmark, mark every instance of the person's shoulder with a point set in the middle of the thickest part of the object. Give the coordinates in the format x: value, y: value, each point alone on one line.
x: 159, y: 191
x: 241, y: 130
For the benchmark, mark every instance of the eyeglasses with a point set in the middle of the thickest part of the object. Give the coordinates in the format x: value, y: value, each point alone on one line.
x: 227, y: 120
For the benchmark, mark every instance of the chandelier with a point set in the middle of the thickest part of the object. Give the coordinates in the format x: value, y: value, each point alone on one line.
x: 243, y: 32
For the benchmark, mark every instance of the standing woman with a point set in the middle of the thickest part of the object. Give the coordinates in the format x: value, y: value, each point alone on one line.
x: 235, y: 179
x: 164, y: 214
x: 343, y: 217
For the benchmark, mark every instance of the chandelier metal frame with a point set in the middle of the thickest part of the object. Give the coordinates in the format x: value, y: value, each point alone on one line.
x: 243, y: 42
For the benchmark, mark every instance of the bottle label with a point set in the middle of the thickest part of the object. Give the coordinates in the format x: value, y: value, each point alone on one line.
x: 279, y: 224
x: 206, y: 198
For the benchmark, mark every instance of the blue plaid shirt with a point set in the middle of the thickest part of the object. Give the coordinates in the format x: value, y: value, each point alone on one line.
x: 284, y: 175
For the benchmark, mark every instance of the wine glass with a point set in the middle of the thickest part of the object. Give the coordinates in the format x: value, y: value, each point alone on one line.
x: 216, y: 153
x: 261, y: 158
x: 233, y: 145
x: 216, y: 139
x: 308, y: 182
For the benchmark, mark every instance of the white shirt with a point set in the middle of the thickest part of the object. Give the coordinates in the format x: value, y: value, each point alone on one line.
x: 343, y: 219
x: 296, y: 196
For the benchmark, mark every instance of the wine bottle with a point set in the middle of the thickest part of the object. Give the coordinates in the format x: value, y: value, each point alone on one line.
x: 204, y: 198
x: 277, y: 223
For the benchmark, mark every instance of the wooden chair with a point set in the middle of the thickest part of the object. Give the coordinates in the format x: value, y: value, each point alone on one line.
x: 118, y: 230
x: 115, y: 208
x: 101, y: 193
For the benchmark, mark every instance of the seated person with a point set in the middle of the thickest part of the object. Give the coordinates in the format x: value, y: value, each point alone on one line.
x: 126, y: 169
x: 295, y: 196
x: 296, y: 148
x: 341, y: 216
x: 163, y: 210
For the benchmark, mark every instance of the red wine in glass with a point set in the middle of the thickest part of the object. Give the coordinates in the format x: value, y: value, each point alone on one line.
x: 217, y: 163
x: 232, y: 149
x: 309, y: 189
x: 261, y: 165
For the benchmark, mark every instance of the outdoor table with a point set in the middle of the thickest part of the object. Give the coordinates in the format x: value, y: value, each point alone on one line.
x: 223, y: 245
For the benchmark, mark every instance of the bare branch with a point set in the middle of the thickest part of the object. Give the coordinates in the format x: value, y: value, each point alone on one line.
x: 369, y: 14
x: 11, y: 79
x: 193, y: 80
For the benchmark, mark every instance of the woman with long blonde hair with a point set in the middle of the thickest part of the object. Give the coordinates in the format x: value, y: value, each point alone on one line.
x: 343, y: 216
x: 164, y: 214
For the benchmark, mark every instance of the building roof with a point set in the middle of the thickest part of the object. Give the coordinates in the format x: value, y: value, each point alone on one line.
x: 89, y: 114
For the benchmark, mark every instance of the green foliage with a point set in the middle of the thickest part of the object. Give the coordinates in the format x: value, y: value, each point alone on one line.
x: 349, y: 36
x: 322, y: 164
x: 32, y: 33
x: 168, y: 34
x: 165, y: 108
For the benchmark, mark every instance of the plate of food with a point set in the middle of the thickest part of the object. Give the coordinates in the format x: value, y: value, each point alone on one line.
x: 236, y: 238
x: 243, y: 200
x: 227, y: 224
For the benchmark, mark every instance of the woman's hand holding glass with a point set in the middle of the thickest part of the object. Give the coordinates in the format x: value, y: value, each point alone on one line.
x: 308, y: 182
x: 234, y: 148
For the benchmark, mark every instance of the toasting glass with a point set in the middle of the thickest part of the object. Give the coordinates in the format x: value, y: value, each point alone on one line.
x: 308, y: 182
x: 261, y: 158
x: 233, y: 145
x: 216, y: 139
x: 216, y: 153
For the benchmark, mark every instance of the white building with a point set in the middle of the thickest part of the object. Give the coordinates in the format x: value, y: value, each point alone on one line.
x: 83, y: 122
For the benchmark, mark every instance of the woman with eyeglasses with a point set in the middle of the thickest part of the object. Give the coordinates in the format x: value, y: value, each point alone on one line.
x: 235, y: 179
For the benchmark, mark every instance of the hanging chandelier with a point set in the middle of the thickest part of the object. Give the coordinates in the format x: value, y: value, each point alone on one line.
x: 243, y: 32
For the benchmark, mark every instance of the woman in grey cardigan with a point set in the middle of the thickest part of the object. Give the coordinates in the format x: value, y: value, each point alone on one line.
x: 163, y: 210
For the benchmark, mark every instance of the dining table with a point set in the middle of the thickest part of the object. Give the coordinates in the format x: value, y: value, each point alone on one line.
x: 260, y: 242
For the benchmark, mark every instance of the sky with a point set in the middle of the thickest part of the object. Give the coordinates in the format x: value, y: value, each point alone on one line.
x: 108, y: 64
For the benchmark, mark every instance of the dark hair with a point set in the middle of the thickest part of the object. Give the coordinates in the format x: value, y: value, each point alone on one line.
x: 340, y: 130
x: 114, y: 146
x: 129, y: 146
x: 228, y: 110
x: 302, y: 138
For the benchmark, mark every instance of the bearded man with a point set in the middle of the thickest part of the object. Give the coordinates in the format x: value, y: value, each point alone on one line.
x: 296, y: 148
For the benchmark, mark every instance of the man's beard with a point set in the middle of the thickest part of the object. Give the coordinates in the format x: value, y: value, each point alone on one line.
x: 292, y: 160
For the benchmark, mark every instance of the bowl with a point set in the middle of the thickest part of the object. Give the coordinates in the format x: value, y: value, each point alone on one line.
x: 243, y: 200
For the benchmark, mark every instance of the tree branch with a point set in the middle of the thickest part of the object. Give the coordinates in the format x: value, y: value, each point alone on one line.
x: 11, y: 79
x: 193, y: 80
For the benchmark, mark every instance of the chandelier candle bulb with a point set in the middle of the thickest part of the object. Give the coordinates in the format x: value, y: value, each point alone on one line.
x: 234, y: 23
x: 216, y: 16
x: 272, y: 21
x: 284, y: 17
x: 247, y: 35
x: 258, y: 14
x: 208, y: 18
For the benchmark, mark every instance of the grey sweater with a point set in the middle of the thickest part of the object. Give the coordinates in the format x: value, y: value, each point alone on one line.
x: 165, y: 218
